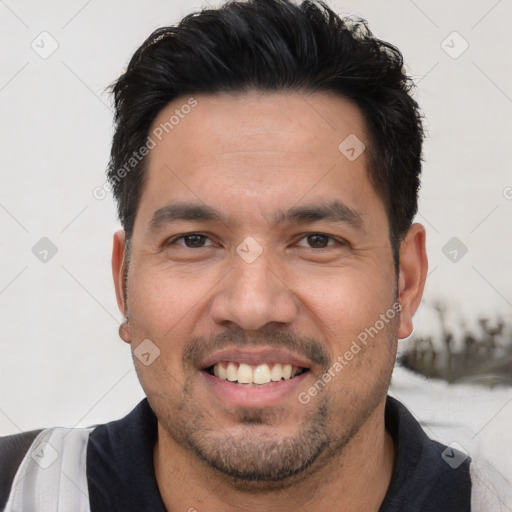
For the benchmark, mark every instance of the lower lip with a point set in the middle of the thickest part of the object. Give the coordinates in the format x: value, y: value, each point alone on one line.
x: 266, y: 395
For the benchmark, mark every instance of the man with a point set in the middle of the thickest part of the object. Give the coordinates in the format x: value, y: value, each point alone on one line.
x: 266, y: 164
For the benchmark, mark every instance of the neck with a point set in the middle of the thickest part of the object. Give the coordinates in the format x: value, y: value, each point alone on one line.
x: 187, y: 483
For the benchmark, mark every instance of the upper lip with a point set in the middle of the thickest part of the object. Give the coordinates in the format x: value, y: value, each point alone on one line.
x: 254, y: 356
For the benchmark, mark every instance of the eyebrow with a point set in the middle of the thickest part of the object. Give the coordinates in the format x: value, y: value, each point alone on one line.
x: 335, y: 211
x: 184, y: 212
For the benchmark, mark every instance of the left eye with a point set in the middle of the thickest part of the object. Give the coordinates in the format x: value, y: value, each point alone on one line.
x: 317, y: 241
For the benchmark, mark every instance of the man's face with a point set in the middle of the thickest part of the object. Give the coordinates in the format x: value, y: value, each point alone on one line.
x: 258, y: 242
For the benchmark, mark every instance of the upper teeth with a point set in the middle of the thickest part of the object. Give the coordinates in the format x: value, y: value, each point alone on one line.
x: 249, y: 374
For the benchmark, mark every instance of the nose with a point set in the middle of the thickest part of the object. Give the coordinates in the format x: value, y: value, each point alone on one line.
x: 254, y: 294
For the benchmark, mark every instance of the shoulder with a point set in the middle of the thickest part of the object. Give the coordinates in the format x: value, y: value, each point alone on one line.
x: 491, y: 491
x: 427, y: 475
x: 33, y: 464
x: 13, y: 449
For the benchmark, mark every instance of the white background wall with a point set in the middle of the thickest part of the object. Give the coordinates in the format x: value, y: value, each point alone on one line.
x: 61, y: 361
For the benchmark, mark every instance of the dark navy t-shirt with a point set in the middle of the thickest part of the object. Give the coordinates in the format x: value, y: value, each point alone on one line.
x: 121, y: 476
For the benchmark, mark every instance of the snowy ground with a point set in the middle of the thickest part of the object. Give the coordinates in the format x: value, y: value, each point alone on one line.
x: 476, y: 417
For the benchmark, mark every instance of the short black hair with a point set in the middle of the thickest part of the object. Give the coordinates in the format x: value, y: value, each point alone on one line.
x: 273, y: 45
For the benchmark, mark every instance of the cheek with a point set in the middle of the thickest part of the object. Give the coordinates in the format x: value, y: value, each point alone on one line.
x: 355, y: 314
x: 163, y: 309
x: 346, y: 302
x: 165, y: 299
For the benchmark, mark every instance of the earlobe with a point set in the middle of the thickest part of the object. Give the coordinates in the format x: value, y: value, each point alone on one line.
x: 411, y: 279
x: 124, y: 332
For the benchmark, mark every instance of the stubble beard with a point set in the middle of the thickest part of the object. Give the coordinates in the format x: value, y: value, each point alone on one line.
x: 256, y: 459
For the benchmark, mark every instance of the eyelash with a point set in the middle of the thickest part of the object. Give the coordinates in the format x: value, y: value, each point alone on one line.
x: 184, y: 236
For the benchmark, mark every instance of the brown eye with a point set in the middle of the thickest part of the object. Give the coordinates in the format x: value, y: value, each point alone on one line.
x: 318, y: 241
x: 192, y: 241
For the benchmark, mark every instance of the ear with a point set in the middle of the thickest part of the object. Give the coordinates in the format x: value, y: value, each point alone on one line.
x: 118, y: 269
x: 411, y: 280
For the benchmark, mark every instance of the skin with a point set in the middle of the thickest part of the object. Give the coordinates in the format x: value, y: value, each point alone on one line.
x: 250, y: 155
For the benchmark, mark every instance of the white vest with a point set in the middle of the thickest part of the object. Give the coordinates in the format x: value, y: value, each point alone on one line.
x: 52, y: 476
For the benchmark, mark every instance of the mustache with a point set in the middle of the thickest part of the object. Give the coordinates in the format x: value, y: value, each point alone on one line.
x: 270, y: 336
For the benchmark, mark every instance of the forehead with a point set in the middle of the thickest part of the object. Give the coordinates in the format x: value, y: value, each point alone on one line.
x: 258, y: 152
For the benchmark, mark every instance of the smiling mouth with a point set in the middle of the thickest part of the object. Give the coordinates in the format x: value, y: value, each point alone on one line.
x: 254, y: 375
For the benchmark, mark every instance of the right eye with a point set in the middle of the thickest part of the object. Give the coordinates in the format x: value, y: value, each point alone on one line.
x: 190, y: 240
